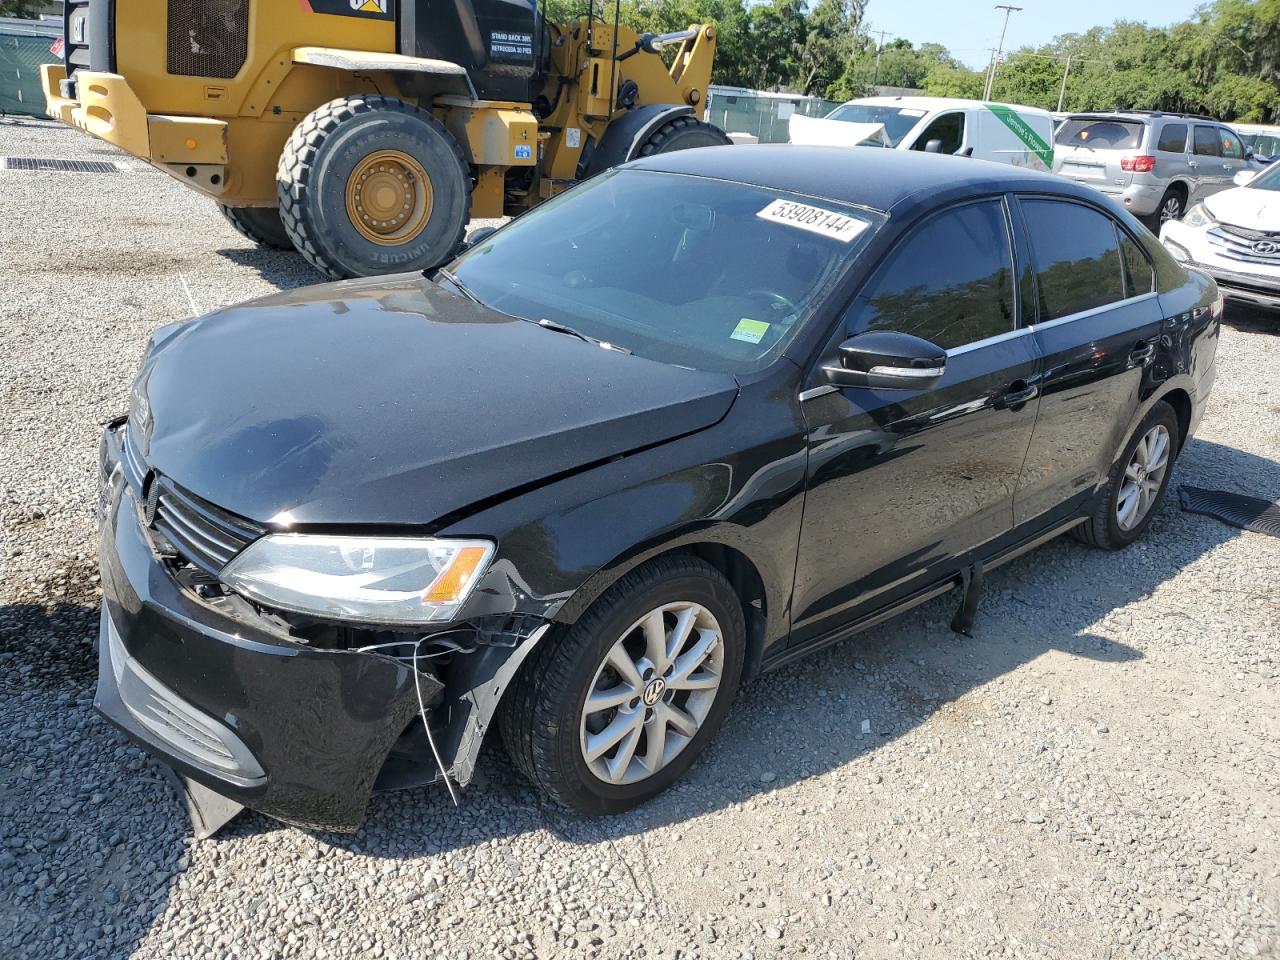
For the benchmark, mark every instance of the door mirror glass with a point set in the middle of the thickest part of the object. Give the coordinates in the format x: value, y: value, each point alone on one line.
x: 887, y: 360
x: 1243, y: 177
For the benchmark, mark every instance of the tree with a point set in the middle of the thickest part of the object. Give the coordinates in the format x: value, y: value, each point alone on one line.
x: 25, y: 9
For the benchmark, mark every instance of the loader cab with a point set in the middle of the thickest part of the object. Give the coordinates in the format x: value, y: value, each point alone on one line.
x: 501, y: 43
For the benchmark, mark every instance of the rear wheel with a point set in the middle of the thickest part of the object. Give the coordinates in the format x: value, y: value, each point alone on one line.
x: 371, y: 185
x: 682, y: 133
x: 262, y: 225
x: 1171, y: 207
x: 1137, y: 483
x: 618, y: 707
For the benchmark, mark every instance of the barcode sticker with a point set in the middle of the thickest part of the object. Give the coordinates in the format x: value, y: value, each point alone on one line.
x: 814, y: 219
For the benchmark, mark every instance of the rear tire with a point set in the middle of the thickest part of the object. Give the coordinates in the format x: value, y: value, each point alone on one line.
x: 546, y: 720
x: 1106, y: 527
x: 371, y: 185
x: 1172, y: 206
x: 262, y: 225
x: 682, y: 133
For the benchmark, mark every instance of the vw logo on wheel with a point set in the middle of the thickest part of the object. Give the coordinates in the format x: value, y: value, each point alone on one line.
x: 654, y: 691
x: 1268, y: 248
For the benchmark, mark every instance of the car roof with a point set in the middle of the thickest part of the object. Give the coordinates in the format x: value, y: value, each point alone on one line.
x: 942, y: 103
x: 865, y: 176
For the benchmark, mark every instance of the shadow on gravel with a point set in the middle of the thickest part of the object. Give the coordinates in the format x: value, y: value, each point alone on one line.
x: 92, y: 841
x: 282, y: 268
x: 1249, y: 319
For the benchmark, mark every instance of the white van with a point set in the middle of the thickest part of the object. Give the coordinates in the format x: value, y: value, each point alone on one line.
x: 1006, y: 133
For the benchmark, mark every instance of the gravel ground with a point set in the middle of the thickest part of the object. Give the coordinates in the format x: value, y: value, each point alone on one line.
x: 1095, y: 775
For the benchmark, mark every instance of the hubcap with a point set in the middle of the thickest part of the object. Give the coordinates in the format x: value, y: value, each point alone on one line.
x: 1143, y: 477
x: 652, y: 693
x: 389, y: 197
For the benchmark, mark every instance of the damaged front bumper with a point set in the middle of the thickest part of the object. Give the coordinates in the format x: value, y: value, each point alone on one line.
x: 248, y: 716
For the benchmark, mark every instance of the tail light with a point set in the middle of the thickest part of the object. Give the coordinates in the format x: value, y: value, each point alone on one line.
x: 1143, y: 163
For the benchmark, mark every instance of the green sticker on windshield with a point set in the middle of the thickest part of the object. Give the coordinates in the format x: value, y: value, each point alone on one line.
x: 749, y: 331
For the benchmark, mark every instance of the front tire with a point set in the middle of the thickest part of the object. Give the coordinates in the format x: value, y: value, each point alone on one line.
x: 1137, y: 484
x: 617, y: 707
x: 371, y: 185
x: 682, y: 133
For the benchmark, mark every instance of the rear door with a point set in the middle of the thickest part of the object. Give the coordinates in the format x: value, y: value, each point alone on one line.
x: 903, y: 483
x: 1233, y: 160
x: 1206, y: 160
x: 1098, y: 323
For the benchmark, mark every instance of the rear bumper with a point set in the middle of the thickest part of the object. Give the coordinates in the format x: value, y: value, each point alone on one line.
x: 194, y: 149
x: 1140, y: 199
x: 297, y: 733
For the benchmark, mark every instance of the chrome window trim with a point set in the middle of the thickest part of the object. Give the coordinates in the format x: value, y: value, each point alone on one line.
x: 1092, y: 311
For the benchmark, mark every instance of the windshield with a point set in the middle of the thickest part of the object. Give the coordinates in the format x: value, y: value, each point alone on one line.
x: 897, y: 121
x: 1268, y: 179
x: 1108, y: 134
x: 1262, y: 144
x: 691, y: 271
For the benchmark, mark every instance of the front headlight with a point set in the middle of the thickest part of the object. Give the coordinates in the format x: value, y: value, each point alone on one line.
x: 1199, y: 216
x: 377, y: 580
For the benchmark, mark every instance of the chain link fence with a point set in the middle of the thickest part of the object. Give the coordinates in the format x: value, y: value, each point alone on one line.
x: 24, y: 45
x: 762, y: 114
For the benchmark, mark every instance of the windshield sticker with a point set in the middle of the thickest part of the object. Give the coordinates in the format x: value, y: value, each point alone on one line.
x: 749, y: 331
x: 814, y: 219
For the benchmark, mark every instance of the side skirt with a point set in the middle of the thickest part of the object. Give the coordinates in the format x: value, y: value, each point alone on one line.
x: 924, y: 595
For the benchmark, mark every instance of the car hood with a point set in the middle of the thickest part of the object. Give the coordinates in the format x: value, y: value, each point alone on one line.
x: 393, y: 401
x: 1246, y: 207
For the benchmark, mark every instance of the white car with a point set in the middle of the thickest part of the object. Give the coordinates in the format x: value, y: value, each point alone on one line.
x: 1234, y: 236
x: 1005, y: 133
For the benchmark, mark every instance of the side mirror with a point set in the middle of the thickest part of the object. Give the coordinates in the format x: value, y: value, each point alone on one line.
x: 479, y: 235
x: 1243, y: 177
x: 933, y: 146
x: 885, y: 360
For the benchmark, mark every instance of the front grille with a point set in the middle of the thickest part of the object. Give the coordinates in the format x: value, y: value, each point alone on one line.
x: 199, y: 532
x: 208, y: 38
x: 1236, y: 243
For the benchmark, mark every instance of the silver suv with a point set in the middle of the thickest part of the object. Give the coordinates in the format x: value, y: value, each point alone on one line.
x: 1156, y: 164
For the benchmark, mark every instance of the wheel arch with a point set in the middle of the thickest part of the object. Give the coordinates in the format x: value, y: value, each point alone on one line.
x: 624, y: 135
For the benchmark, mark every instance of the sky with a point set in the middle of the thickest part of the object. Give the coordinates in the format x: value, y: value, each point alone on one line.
x: 969, y: 28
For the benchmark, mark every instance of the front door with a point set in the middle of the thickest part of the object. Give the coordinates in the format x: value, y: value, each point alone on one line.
x: 903, y: 483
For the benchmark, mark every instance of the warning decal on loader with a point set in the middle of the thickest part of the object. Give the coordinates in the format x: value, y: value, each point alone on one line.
x: 372, y: 9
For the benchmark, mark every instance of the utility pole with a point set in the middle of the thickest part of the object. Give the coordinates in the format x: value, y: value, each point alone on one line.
x: 1062, y: 91
x: 995, y: 65
x: 879, y: 47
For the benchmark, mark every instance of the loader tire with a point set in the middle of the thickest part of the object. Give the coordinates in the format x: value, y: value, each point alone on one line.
x: 371, y: 185
x: 682, y: 133
x: 262, y: 225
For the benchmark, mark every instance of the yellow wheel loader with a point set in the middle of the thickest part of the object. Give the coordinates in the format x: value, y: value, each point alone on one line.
x: 366, y: 133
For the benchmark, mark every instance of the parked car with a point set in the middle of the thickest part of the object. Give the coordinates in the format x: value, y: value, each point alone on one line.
x: 1234, y: 236
x: 1155, y: 164
x: 1262, y: 141
x: 1005, y: 133
x: 673, y: 429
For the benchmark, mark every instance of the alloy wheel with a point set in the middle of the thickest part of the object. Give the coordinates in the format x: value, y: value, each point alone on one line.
x: 1171, y: 210
x: 652, y: 693
x: 1143, y: 477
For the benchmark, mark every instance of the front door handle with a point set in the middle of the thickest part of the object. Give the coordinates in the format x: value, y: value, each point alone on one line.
x: 1141, y: 353
x: 1019, y: 392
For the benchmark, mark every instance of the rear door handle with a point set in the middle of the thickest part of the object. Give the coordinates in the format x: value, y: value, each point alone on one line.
x: 1019, y: 392
x: 1142, y: 352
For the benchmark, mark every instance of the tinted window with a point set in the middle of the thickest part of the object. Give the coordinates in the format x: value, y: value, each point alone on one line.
x: 1173, y: 138
x: 950, y: 281
x: 1231, y: 145
x: 1077, y: 257
x: 1084, y: 131
x: 949, y: 128
x: 1137, y: 268
x: 1206, y: 142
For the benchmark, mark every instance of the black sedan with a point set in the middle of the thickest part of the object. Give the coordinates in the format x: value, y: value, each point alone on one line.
x: 693, y: 419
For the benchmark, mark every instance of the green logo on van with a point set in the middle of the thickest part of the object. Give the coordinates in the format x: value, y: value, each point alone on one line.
x: 1022, y: 130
